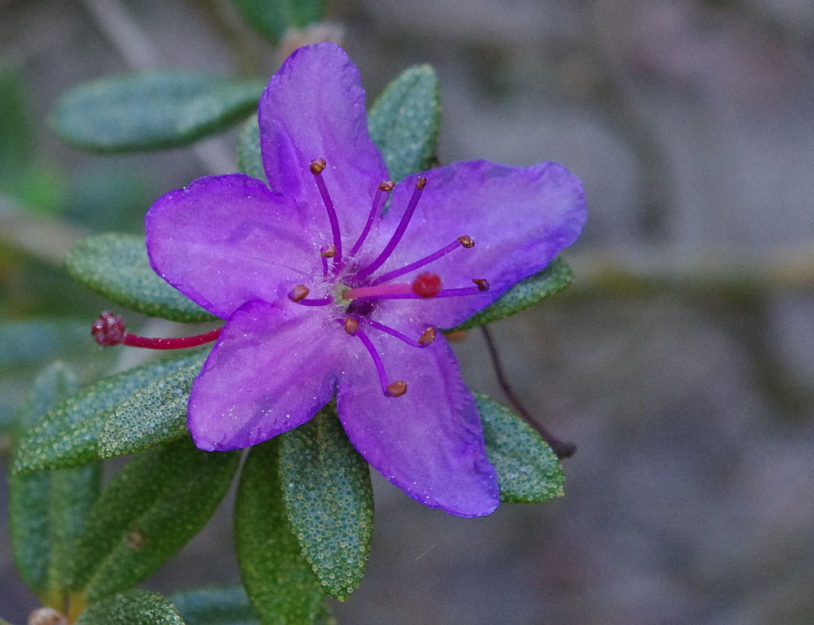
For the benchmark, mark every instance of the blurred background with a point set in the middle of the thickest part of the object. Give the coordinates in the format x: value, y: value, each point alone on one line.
x: 681, y: 360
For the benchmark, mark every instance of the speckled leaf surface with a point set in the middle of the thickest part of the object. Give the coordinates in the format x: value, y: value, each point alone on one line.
x: 278, y: 580
x: 67, y: 436
x: 272, y: 18
x: 136, y: 607
x: 527, y: 469
x: 249, y: 157
x: 151, y: 508
x: 47, y: 510
x: 154, y: 415
x: 522, y: 295
x: 329, y: 501
x: 116, y: 266
x: 152, y: 111
x: 215, y: 606
x: 404, y: 121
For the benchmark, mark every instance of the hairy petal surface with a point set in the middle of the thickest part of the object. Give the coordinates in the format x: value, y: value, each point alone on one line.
x: 520, y: 219
x: 271, y: 370
x: 429, y: 441
x: 314, y: 107
x: 225, y: 240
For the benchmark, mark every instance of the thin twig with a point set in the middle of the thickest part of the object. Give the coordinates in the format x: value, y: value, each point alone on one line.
x: 561, y: 448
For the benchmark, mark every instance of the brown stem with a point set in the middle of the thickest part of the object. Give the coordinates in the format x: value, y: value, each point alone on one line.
x: 562, y: 449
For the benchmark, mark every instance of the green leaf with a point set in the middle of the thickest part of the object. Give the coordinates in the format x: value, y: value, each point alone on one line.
x: 329, y: 501
x: 249, y: 157
x: 16, y: 136
x: 522, y: 295
x: 67, y: 435
x: 404, y: 121
x: 272, y: 18
x: 116, y: 266
x: 215, y: 606
x: 32, y: 341
x: 527, y: 469
x: 277, y: 578
x: 154, y: 415
x: 47, y: 510
x: 153, y: 506
x: 152, y: 111
x: 136, y: 607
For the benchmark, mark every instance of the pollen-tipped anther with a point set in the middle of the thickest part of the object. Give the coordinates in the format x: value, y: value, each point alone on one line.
x: 387, y: 185
x: 108, y: 329
x: 466, y: 241
x: 482, y: 284
x: 427, y: 337
x: 420, y: 183
x: 299, y: 293
x: 397, y: 388
x: 351, y: 326
x: 317, y: 166
x: 427, y: 284
x: 327, y: 251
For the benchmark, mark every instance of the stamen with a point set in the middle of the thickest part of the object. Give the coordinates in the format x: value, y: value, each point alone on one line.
x: 394, y: 241
x: 425, y: 340
x: 300, y: 292
x: 108, y: 330
x: 317, y: 166
x: 462, y: 241
x: 482, y: 284
x: 326, y: 252
x: 384, y: 187
x: 351, y: 326
x: 394, y: 389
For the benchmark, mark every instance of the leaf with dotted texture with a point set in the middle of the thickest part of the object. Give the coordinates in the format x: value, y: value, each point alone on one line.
x: 67, y: 436
x: 151, y: 508
x: 136, y: 607
x: 47, y: 510
x: 278, y: 580
x: 154, y: 415
x: 249, y: 156
x: 522, y: 295
x: 274, y: 18
x: 152, y: 111
x: 404, y: 121
x: 527, y: 469
x: 116, y: 267
x: 329, y: 501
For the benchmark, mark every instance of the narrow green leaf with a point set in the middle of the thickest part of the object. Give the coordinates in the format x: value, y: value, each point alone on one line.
x: 215, y: 606
x: 277, y: 578
x: 522, y: 295
x: 16, y: 136
x: 47, y: 510
x: 249, y: 157
x: 116, y: 266
x: 153, y: 506
x: 404, y: 121
x: 527, y: 469
x: 136, y: 607
x: 329, y: 501
x: 67, y: 435
x: 33, y: 341
x: 154, y: 415
x: 272, y: 18
x: 152, y: 111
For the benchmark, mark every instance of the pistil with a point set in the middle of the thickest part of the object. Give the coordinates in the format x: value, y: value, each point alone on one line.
x: 108, y: 330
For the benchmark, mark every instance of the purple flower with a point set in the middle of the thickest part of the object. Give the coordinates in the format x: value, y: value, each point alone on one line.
x: 325, y: 293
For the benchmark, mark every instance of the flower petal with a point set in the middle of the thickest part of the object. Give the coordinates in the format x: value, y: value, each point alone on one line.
x: 268, y: 372
x: 225, y: 240
x: 314, y: 107
x: 520, y: 219
x: 429, y: 441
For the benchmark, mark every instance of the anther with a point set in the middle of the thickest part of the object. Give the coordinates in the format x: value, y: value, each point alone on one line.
x: 327, y: 251
x: 299, y: 293
x: 317, y: 165
x: 387, y: 185
x: 427, y: 284
x: 482, y: 284
x: 427, y: 337
x: 351, y: 326
x: 466, y: 241
x: 420, y: 183
x: 397, y: 388
x: 108, y: 329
